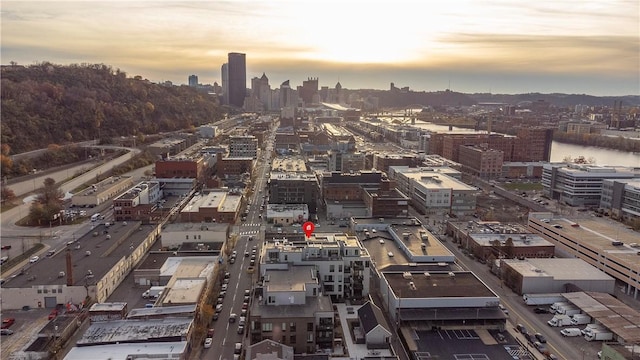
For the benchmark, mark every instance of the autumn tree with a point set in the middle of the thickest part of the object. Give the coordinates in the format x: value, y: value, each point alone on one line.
x: 47, y: 204
x: 7, y: 194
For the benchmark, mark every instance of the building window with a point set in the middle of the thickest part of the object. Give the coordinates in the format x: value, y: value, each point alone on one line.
x: 310, y: 326
x: 284, y: 326
x: 309, y: 337
x: 186, y: 237
x: 292, y: 339
x: 332, y: 268
x: 271, y: 300
x: 267, y: 327
x: 292, y: 326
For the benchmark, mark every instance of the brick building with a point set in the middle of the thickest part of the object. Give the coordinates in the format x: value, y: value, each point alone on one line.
x: 481, y: 161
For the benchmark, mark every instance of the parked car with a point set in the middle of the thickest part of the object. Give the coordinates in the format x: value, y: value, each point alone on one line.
x: 540, y: 310
x: 210, y: 332
x: 521, y: 329
x: 232, y: 318
x: 6, y: 332
x: 540, y: 346
x: 241, y: 329
x: 540, y: 338
x: 34, y: 259
x: 207, y: 342
x: 5, y: 247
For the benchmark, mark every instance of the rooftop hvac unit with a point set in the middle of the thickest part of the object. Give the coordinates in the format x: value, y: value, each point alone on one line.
x: 412, y: 286
x: 407, y: 275
x: 427, y: 275
x: 452, y: 274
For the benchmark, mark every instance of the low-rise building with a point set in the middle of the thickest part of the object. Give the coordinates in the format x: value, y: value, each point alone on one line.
x: 492, y: 239
x: 607, y: 246
x: 101, y: 192
x: 138, y: 202
x: 219, y: 206
x: 287, y: 214
x: 534, y: 276
x: 175, y: 234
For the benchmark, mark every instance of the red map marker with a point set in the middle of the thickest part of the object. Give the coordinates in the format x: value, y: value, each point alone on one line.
x: 308, y: 228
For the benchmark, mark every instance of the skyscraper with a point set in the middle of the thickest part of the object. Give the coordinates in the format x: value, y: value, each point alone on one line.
x: 237, y: 79
x: 193, y: 80
x: 224, y: 70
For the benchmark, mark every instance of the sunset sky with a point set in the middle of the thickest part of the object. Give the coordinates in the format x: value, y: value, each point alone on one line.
x: 498, y: 46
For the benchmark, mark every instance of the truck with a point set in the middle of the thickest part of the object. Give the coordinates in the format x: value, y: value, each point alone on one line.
x: 559, y: 320
x: 542, y: 299
x: 580, y: 319
x: 567, y: 310
x: 590, y: 327
x: 556, y: 305
x: 153, y: 293
x: 599, y: 335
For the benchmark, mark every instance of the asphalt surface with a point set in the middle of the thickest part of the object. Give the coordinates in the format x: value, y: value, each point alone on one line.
x: 226, y: 333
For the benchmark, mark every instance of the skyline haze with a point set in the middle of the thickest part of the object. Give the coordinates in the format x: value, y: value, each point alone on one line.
x: 497, y: 46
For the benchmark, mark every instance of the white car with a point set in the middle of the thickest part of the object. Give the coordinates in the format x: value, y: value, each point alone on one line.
x: 207, y: 342
x: 34, y: 259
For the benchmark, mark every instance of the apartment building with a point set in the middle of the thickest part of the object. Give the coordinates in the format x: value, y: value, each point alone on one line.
x: 341, y: 262
x: 433, y: 191
x: 243, y: 146
x: 293, y: 310
x: 294, y: 188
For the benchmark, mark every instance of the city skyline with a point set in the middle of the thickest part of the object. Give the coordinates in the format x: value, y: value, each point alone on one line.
x: 583, y: 47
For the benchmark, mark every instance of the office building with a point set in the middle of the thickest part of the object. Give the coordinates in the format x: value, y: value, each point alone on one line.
x: 243, y: 146
x: 580, y: 184
x: 237, y: 79
x: 621, y: 198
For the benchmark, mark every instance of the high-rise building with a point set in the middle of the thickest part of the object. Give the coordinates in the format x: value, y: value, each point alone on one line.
x: 193, y: 80
x: 237, y: 79
x: 224, y: 74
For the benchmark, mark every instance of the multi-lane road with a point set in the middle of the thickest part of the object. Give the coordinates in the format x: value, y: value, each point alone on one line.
x: 250, y: 236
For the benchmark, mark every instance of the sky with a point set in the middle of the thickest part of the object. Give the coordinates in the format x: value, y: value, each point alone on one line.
x: 496, y: 46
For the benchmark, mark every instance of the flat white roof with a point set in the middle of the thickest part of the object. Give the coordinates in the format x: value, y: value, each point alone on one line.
x: 170, y: 350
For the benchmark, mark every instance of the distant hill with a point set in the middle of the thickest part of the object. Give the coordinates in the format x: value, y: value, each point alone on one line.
x: 52, y: 104
x: 559, y: 100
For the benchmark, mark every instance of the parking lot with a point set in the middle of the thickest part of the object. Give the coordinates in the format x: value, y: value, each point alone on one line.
x: 28, y: 324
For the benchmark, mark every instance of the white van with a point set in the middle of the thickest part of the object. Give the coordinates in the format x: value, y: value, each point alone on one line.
x: 95, y: 217
x: 570, y: 332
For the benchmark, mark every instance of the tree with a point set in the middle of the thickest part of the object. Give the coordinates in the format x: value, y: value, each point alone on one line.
x: 7, y: 194
x: 47, y: 204
x: 508, y: 248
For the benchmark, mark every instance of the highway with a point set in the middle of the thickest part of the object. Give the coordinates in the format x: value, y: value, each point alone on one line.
x: 22, y: 238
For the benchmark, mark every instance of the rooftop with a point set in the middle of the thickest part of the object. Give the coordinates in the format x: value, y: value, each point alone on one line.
x: 183, y: 291
x: 596, y: 232
x: 558, y: 268
x: 109, y: 251
x: 611, y: 312
x: 437, y: 285
x: 293, y: 279
x: 127, y: 331
x: 146, y: 350
x: 162, y: 311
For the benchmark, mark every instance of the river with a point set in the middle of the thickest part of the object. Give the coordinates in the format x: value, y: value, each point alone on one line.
x: 559, y: 151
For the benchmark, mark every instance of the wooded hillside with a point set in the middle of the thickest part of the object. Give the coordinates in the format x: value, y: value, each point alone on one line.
x: 47, y: 104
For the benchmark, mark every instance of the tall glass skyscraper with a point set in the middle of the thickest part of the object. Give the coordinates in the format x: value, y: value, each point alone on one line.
x: 237, y: 79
